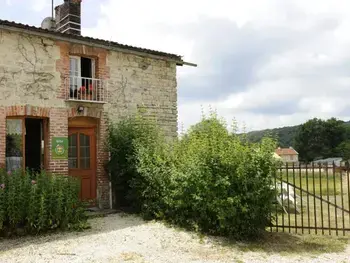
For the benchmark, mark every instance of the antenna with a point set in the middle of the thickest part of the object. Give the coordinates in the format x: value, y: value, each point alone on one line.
x: 49, y: 22
x: 52, y: 6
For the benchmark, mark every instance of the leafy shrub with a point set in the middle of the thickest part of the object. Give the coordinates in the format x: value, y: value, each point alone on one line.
x: 123, y: 140
x: 39, y: 202
x: 209, y: 180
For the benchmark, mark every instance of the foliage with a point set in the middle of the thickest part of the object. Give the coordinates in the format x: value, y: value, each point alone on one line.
x: 209, y: 180
x: 39, y: 202
x: 319, y: 139
x: 314, y: 139
x: 122, y: 166
x: 343, y: 150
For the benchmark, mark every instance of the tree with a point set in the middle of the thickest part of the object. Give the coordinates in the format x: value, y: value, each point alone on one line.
x: 335, y: 134
x: 343, y: 150
x: 309, y: 140
x: 319, y: 139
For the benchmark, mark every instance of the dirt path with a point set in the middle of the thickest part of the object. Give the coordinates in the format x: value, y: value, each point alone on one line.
x: 118, y: 238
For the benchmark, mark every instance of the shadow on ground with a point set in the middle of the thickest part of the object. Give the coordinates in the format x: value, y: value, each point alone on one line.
x: 291, y: 244
x: 99, y: 225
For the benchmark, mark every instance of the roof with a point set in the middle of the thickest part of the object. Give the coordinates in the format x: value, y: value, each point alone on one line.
x: 89, y: 40
x: 286, y: 151
x: 329, y: 160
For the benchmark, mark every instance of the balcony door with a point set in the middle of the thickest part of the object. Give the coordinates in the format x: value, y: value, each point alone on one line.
x: 82, y: 159
x: 81, y: 77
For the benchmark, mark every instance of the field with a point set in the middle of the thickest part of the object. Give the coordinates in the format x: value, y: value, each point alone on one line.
x: 322, y: 198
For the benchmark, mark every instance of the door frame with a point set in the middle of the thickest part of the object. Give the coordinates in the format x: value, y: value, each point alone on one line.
x: 45, y: 137
x: 81, y: 123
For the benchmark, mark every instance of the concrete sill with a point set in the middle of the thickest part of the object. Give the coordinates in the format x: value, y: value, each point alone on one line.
x: 86, y: 101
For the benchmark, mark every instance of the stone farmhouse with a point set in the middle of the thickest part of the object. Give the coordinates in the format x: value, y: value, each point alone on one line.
x: 288, y: 155
x: 59, y: 90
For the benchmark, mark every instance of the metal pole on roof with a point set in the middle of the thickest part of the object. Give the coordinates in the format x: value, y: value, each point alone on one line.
x: 52, y: 4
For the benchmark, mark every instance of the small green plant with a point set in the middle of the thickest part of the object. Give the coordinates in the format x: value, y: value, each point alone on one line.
x: 39, y: 202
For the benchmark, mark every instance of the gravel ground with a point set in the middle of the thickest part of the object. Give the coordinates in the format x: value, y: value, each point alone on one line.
x: 120, y: 238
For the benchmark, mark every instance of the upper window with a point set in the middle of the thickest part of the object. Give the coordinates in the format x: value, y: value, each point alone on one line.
x: 82, y: 67
x: 82, y: 78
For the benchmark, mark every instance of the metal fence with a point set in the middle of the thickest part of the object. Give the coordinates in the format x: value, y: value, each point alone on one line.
x: 312, y: 199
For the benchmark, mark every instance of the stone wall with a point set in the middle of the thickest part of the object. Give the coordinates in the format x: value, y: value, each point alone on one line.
x: 33, y: 71
x: 28, y: 70
x: 146, y: 84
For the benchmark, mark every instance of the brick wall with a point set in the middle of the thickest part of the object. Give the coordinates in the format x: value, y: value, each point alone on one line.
x: 102, y: 153
x: 58, y: 127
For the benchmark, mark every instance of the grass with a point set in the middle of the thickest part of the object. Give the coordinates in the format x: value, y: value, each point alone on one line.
x: 318, y: 182
x: 314, y: 212
x: 284, y: 243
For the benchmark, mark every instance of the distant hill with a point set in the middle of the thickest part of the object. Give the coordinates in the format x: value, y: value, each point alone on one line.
x: 285, y: 135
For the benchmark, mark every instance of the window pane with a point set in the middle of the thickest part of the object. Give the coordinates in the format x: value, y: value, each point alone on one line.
x: 14, y: 144
x: 84, y: 149
x: 72, y: 151
x: 73, y: 67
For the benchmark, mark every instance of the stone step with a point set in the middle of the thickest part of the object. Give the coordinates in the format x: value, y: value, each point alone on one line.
x: 96, y: 212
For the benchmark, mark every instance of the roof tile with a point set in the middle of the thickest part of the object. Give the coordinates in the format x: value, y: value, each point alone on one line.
x: 90, y: 40
x: 286, y: 151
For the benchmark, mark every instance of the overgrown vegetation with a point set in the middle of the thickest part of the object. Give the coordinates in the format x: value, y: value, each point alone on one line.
x: 314, y: 139
x: 209, y: 180
x: 34, y: 203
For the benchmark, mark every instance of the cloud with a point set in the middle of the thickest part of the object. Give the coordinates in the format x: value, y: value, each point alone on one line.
x: 266, y: 63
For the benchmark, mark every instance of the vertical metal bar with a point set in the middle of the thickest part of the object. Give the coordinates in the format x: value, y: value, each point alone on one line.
x: 342, y: 201
x: 347, y: 175
x: 301, y: 201
x: 329, y: 211
x: 335, y: 201
x: 94, y: 89
x: 91, y: 91
x: 308, y: 198
x: 288, y: 199
x: 314, y: 192
x: 77, y: 87
x: 276, y: 201
x: 295, y: 203
x: 85, y: 89
x: 321, y: 200
x: 273, y: 174
x: 282, y: 201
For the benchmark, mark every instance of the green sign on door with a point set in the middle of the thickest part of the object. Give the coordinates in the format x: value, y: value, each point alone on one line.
x: 59, y: 148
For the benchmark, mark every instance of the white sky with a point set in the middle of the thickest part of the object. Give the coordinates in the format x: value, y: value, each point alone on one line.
x: 266, y: 63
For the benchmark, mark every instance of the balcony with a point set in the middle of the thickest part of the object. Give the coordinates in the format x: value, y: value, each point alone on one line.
x: 86, y: 89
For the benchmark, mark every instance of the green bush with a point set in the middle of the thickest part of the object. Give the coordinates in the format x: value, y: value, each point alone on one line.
x: 123, y: 140
x: 39, y: 202
x: 209, y: 180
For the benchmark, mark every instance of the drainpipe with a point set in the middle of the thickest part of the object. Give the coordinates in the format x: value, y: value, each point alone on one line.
x: 110, y: 186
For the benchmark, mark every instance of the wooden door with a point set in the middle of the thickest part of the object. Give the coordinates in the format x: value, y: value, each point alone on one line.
x: 82, y: 160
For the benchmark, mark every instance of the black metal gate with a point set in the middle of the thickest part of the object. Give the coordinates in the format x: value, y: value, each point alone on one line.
x: 312, y: 199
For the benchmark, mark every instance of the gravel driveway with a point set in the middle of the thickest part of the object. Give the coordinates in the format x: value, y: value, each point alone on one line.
x: 119, y: 238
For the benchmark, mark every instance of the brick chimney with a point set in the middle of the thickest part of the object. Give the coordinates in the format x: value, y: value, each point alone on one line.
x: 68, y: 17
